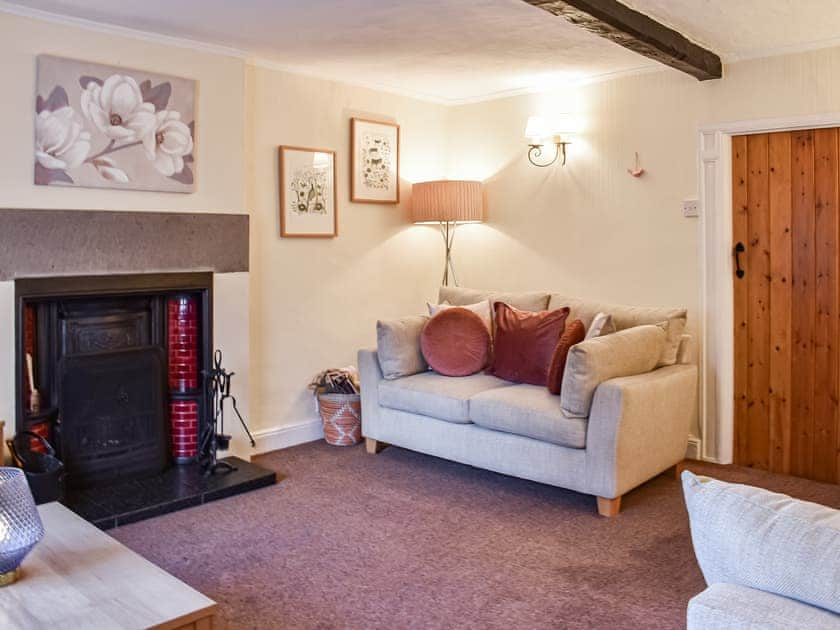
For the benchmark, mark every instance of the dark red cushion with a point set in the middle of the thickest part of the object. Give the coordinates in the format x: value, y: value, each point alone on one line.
x: 524, y: 342
x: 575, y: 332
x: 455, y: 342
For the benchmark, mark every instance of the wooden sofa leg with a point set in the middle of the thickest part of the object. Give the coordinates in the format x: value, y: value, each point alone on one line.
x: 609, y: 507
x: 374, y: 446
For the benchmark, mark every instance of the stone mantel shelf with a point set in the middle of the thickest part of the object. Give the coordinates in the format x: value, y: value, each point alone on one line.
x: 94, y: 242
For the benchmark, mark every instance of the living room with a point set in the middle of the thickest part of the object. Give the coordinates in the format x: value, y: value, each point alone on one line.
x: 583, y: 158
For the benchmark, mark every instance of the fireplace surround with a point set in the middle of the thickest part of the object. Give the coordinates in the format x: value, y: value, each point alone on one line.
x: 70, y: 255
x: 117, y: 363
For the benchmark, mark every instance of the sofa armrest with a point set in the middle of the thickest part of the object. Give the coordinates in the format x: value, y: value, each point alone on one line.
x: 369, y: 374
x: 638, y: 427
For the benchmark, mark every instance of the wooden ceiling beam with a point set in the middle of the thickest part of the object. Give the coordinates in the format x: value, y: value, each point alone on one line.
x: 637, y: 32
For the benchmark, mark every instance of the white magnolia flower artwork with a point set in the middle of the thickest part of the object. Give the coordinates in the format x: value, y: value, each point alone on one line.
x: 106, y: 127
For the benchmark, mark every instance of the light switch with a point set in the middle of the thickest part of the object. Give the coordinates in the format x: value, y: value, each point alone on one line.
x: 691, y: 208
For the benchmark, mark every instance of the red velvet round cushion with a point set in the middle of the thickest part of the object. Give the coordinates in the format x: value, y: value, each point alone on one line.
x: 455, y: 342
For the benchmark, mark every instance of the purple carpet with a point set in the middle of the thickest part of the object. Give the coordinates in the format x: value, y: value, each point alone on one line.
x: 403, y: 540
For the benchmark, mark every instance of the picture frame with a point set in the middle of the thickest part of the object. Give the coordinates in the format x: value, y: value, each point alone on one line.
x: 308, y: 196
x: 374, y: 161
x: 106, y: 126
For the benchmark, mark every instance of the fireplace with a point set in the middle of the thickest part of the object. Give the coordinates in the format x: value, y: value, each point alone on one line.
x: 116, y: 310
x: 117, y: 363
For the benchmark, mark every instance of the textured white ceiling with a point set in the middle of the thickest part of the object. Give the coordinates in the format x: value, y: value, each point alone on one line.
x: 452, y: 50
x: 736, y: 29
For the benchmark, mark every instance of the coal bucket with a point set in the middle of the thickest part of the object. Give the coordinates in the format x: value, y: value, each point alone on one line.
x: 44, y: 471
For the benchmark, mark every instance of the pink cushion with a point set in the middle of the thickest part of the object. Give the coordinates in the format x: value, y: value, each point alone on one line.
x: 455, y: 342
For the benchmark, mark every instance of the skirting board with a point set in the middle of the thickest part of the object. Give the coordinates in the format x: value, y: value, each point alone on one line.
x: 288, y: 435
x: 693, y: 450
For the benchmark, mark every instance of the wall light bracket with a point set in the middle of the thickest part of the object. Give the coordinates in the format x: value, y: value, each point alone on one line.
x: 535, y: 152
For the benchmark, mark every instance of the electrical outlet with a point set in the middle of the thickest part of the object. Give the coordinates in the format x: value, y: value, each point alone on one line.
x: 691, y: 208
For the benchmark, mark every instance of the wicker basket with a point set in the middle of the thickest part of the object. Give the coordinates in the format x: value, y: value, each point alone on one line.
x: 342, y: 417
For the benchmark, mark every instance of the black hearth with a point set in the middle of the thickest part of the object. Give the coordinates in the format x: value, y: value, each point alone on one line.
x: 117, y: 363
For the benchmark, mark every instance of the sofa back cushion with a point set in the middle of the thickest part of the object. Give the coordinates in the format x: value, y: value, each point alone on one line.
x: 524, y: 343
x: 764, y: 540
x: 456, y: 342
x: 624, y: 316
x: 591, y: 362
x: 524, y: 301
x: 398, y: 346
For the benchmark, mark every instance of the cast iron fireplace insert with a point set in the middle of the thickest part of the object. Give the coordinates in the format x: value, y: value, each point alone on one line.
x: 116, y: 401
x: 122, y: 390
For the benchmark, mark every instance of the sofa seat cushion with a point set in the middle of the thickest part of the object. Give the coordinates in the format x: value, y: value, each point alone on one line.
x: 727, y: 606
x: 529, y: 410
x: 435, y: 395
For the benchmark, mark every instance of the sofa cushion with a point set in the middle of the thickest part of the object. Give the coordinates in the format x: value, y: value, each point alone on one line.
x: 529, y: 410
x: 764, y: 540
x: 574, y: 334
x: 482, y: 309
x: 602, y: 324
x: 593, y: 361
x: 456, y: 342
x: 398, y: 346
x: 435, y: 395
x: 524, y: 343
x: 624, y: 316
x: 735, y: 607
x: 525, y: 300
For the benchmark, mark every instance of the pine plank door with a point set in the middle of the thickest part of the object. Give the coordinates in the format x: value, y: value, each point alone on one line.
x: 786, y: 243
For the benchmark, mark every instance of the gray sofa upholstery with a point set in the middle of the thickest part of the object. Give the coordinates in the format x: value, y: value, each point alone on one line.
x: 637, y: 426
x: 770, y: 561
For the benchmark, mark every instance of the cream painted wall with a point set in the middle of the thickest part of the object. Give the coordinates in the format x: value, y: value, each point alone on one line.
x: 220, y: 116
x: 315, y: 302
x: 590, y: 229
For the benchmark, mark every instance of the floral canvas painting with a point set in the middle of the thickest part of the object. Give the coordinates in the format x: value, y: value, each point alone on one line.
x: 107, y: 127
x: 307, y: 192
x: 375, y: 168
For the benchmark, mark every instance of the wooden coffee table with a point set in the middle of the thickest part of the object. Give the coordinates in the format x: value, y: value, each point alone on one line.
x: 79, y: 577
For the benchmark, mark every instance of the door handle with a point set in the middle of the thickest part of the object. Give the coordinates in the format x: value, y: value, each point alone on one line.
x: 739, y: 249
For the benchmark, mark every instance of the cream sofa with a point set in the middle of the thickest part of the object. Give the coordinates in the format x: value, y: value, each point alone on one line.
x: 637, y: 426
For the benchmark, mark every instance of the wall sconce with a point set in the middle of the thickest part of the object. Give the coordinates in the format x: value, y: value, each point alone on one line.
x: 538, y: 131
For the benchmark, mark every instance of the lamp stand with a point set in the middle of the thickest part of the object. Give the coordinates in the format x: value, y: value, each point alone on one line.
x: 447, y: 230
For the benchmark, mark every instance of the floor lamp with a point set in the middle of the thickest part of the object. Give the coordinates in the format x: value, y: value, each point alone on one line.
x: 447, y: 203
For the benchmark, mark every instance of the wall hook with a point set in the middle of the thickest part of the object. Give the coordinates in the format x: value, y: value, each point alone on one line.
x: 637, y: 171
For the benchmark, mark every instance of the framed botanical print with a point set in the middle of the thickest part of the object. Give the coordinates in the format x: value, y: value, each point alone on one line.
x: 375, y: 161
x: 308, y: 200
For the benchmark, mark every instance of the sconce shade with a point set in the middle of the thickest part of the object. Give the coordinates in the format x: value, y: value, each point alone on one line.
x: 445, y: 201
x: 536, y: 129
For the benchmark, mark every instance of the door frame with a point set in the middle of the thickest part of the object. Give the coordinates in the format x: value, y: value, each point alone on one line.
x: 717, y: 314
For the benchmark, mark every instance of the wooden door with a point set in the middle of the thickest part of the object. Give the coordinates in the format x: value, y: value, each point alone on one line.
x: 787, y: 377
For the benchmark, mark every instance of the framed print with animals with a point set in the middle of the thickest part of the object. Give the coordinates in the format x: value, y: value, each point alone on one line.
x: 375, y: 161
x: 308, y: 200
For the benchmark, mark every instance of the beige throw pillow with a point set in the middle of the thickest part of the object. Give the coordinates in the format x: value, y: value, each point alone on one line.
x: 398, y: 346
x: 593, y: 361
x: 602, y: 324
x: 482, y: 309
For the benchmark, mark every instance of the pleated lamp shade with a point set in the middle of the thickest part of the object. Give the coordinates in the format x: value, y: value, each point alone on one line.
x: 444, y: 201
